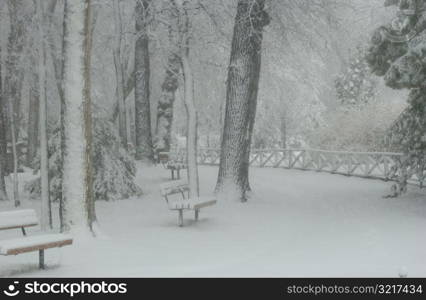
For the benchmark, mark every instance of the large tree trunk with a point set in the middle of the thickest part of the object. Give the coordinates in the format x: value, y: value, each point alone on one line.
x: 191, y: 138
x: 144, y: 146
x: 165, y: 105
x: 3, y: 193
x: 181, y: 7
x: 46, y: 211
x: 119, y: 74
x: 77, y: 187
x: 241, y: 99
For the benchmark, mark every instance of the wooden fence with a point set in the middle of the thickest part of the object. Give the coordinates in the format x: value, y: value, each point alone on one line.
x: 379, y: 165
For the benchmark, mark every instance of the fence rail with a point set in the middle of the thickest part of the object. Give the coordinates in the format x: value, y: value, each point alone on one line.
x: 380, y: 165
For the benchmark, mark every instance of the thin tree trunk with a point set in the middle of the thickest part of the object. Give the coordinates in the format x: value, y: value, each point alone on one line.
x: 15, y: 180
x: 283, y: 129
x: 241, y: 99
x: 143, y: 132
x: 119, y: 73
x: 55, y: 53
x: 33, y: 111
x: 14, y: 69
x: 77, y: 187
x: 46, y: 212
x: 13, y: 81
x: 165, y: 104
x: 88, y: 123
x: 3, y: 143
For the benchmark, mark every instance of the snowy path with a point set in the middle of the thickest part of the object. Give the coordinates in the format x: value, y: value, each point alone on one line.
x: 298, y: 224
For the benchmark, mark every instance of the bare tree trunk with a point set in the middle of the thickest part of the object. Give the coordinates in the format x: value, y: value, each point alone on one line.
x: 119, y: 73
x: 3, y: 143
x: 283, y: 129
x: 165, y: 104
x: 143, y: 132
x: 15, y: 155
x: 46, y: 211
x: 14, y: 70
x: 241, y: 98
x: 88, y: 123
x: 13, y: 81
x: 33, y: 111
x: 77, y: 187
x: 191, y: 139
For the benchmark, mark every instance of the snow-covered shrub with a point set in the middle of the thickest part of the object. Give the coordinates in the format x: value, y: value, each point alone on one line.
x: 114, y: 169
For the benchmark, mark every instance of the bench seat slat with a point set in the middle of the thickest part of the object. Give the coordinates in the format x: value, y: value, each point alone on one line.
x: 175, y: 166
x: 196, y: 203
x: 174, y: 187
x: 33, y: 243
x: 19, y: 218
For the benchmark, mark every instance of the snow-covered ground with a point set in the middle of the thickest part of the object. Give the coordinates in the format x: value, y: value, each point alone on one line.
x: 297, y: 224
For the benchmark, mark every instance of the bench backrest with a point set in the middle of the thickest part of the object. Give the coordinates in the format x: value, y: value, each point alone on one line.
x: 18, y: 219
x: 174, y: 187
x: 163, y: 157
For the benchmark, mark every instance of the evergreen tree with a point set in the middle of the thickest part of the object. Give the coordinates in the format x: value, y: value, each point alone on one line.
x: 114, y: 168
x: 398, y: 54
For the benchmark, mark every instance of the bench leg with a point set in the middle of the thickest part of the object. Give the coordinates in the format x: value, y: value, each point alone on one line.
x: 197, y: 211
x: 173, y: 174
x: 41, y: 259
x: 178, y: 174
x: 180, y: 217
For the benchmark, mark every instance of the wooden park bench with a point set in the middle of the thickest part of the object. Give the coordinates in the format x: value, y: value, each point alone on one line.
x: 23, y: 219
x: 172, y: 162
x: 183, y: 202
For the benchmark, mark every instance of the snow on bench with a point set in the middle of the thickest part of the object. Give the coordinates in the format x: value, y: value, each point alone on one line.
x: 184, y: 203
x: 33, y: 243
x: 172, y: 162
x: 27, y: 218
x: 18, y: 219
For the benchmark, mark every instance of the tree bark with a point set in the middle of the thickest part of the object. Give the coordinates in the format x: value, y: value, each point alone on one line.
x: 241, y: 98
x: 77, y: 187
x: 165, y: 104
x: 143, y: 132
x: 191, y: 138
x: 14, y: 70
x: 88, y: 123
x: 3, y: 143
x: 46, y: 211
x: 13, y: 133
x: 33, y: 111
x: 283, y: 129
x: 119, y: 73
